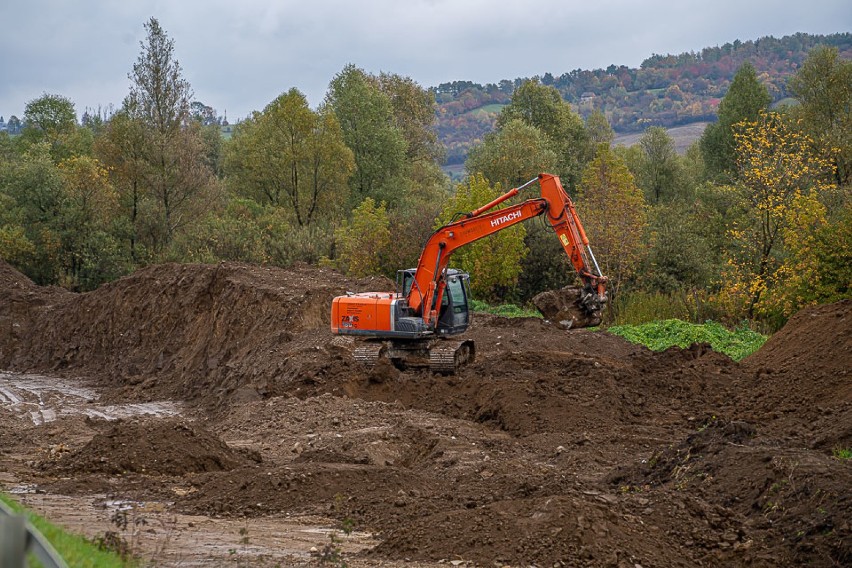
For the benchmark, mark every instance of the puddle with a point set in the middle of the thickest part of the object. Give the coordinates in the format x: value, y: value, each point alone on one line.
x: 44, y: 399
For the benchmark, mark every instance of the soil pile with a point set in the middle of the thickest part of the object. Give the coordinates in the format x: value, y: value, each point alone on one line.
x: 555, y: 447
x: 21, y: 303
x: 564, y: 307
x: 150, y: 446
x: 195, y: 332
x: 800, y: 381
x: 804, y: 344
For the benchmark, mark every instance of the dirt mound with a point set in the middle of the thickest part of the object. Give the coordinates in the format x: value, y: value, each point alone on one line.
x: 589, y: 529
x: 21, y: 303
x: 802, y: 344
x: 564, y: 307
x: 786, y: 496
x: 801, y: 379
x: 196, y: 332
x: 150, y: 446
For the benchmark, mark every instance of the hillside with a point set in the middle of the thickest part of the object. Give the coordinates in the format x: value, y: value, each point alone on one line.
x: 683, y: 136
x: 666, y: 90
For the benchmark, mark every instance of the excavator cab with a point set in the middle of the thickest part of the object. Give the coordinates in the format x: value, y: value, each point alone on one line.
x: 454, y: 315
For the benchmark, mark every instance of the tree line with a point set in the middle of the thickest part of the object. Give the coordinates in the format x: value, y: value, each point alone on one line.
x: 665, y: 90
x: 753, y: 222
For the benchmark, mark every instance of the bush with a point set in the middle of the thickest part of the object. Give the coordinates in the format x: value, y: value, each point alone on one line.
x: 661, y: 335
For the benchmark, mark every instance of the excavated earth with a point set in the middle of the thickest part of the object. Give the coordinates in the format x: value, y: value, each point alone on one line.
x: 205, y: 415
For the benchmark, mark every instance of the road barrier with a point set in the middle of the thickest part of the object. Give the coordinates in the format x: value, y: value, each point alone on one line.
x: 18, y: 537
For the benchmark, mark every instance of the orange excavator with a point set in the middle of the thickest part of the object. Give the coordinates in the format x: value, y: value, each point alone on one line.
x: 414, y: 326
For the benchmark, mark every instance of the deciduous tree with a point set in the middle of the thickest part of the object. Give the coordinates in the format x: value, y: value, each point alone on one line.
x: 365, y: 240
x: 659, y: 171
x: 542, y: 106
x: 52, y: 119
x: 291, y: 157
x: 777, y: 169
x: 494, y: 262
x: 823, y: 86
x: 122, y: 148
x: 176, y: 174
x: 745, y: 98
x: 370, y: 130
x: 614, y: 215
x: 512, y: 155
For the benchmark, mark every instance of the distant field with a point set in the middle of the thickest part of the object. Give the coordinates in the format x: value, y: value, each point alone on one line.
x: 683, y: 136
x: 455, y: 171
x: 496, y: 107
x: 487, y: 109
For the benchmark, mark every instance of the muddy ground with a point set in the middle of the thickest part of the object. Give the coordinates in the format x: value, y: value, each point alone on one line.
x: 204, y: 415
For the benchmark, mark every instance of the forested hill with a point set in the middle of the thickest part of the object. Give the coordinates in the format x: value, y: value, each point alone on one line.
x: 666, y: 90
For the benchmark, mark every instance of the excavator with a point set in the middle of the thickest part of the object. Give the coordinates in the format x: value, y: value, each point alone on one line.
x: 416, y: 325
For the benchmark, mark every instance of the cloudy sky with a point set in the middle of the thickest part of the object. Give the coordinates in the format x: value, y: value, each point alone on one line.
x: 238, y: 55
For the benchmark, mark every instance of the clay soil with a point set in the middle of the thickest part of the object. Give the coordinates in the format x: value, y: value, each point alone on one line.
x: 554, y: 448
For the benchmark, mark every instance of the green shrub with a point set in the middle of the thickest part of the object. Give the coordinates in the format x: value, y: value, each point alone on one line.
x: 661, y: 335
x: 638, y: 307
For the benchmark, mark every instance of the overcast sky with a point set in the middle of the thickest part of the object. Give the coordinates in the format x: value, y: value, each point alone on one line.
x: 239, y: 55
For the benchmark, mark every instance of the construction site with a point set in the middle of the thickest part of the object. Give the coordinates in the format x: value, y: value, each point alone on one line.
x: 205, y: 415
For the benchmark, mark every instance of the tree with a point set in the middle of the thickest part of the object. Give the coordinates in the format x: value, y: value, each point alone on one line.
x: 122, y: 147
x: 542, y: 106
x: 90, y: 253
x: 51, y: 119
x: 823, y: 87
x: 545, y: 266
x: 614, y: 215
x: 57, y: 220
x: 512, y: 155
x: 291, y: 157
x: 413, y: 110
x: 599, y: 129
x: 680, y: 255
x: 745, y: 98
x: 659, y: 170
x: 175, y: 171
x: 495, y: 261
x: 369, y: 129
x: 777, y: 169
x: 365, y: 240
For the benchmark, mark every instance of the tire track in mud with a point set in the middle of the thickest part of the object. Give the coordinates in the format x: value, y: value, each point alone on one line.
x: 45, y: 399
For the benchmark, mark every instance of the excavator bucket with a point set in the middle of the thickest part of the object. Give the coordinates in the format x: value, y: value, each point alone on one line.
x: 569, y: 307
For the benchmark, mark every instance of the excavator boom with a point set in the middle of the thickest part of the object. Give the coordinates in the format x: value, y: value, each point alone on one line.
x: 554, y: 203
x: 432, y: 301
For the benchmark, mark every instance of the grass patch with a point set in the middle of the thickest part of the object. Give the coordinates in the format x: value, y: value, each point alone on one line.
x: 842, y: 453
x: 507, y: 310
x: 660, y: 335
x: 493, y: 108
x: 76, y: 550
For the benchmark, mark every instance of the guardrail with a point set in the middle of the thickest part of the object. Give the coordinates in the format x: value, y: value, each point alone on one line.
x: 18, y: 537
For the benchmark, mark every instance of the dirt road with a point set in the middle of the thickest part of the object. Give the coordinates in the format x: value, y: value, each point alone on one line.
x: 210, y: 400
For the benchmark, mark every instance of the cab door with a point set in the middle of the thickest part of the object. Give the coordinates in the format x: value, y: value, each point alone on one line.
x: 455, y: 310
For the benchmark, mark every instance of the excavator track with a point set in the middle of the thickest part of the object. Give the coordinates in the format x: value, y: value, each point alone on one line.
x: 447, y: 357
x: 368, y: 352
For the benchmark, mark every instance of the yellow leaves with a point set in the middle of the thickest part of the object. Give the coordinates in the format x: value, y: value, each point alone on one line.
x: 364, y: 241
x: 87, y: 187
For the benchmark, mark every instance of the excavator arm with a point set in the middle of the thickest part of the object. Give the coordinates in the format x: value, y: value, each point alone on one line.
x: 427, y: 289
